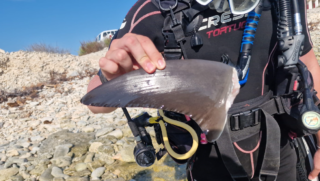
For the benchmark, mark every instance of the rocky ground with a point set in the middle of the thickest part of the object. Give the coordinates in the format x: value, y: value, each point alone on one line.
x: 55, y: 137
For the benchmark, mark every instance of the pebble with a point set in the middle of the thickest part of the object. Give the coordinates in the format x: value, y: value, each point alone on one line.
x: 89, y: 158
x: 62, y: 150
x: 94, y: 146
x: 37, y: 138
x: 116, y: 133
x: 106, y: 149
x: 77, y: 179
x: 12, y: 153
x: 34, y: 124
x: 81, y: 123
x: 34, y: 103
x: 57, y: 172
x: 80, y: 167
x: 46, y: 175
x: 13, y: 160
x: 97, y: 173
x: 5, y: 174
x: 61, y: 161
x: 29, y: 168
x: 34, y: 150
x: 103, y: 131
x: 88, y: 129
x: 25, y: 144
x: 27, y: 155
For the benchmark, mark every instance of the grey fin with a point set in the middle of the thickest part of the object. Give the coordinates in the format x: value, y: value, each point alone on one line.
x: 202, y: 89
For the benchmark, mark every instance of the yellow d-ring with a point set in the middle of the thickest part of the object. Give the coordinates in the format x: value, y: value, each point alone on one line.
x: 194, y: 135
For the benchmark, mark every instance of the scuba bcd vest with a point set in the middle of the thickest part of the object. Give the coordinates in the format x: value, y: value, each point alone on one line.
x: 294, y: 97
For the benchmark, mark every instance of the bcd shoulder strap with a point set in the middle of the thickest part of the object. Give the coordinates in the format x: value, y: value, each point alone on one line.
x: 181, y: 20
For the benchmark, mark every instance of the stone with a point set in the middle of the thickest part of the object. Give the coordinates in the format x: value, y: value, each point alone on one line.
x: 81, y: 123
x: 4, y: 158
x: 126, y: 154
x: 62, y: 150
x: 38, y: 170
x: 5, y: 174
x: 77, y: 179
x: 25, y: 144
x: 120, y: 142
x: 57, y: 173
x: 80, y: 167
x: 12, y: 153
x: 46, y: 175
x: 12, y: 160
x: 46, y: 120
x: 24, y: 175
x: 88, y: 129
x: 64, y: 137
x: 34, y: 150
x: 116, y: 133
x: 117, y: 179
x: 16, y: 178
x: 79, y: 150
x: 2, y: 51
x: 37, y: 138
x: 34, y: 124
x: 95, y: 164
x: 31, y: 167
x: 27, y: 155
x: 58, y: 179
x: 116, y: 172
x: 89, y: 158
x: 94, y: 147
x: 108, y: 149
x: 73, y: 173
x: 97, y: 173
x: 61, y: 161
x: 34, y: 103
x: 103, y: 131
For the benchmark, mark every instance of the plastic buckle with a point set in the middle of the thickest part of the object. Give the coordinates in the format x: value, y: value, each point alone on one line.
x: 257, y: 116
x: 235, y: 119
x: 235, y: 122
x: 264, y: 177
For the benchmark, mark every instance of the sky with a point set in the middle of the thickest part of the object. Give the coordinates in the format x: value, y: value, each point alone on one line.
x: 58, y: 23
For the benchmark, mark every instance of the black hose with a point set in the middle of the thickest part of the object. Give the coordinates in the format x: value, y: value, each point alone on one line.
x: 134, y: 129
x: 285, y: 21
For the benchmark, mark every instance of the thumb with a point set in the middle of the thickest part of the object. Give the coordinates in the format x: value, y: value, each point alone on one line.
x: 313, y: 174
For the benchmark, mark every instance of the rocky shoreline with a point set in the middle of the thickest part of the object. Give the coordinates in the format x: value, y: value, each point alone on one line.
x: 54, y: 137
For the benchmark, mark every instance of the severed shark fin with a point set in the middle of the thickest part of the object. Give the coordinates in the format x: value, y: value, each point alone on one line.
x: 201, y: 89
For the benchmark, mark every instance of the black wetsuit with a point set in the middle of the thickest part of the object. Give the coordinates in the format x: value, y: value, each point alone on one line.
x: 221, y: 34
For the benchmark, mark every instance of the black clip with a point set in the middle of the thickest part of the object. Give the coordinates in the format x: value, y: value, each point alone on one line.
x: 245, y: 119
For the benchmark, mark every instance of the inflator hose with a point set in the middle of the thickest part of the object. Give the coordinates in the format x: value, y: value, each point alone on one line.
x: 194, y: 135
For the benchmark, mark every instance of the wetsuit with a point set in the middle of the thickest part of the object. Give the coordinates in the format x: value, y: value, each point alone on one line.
x: 221, y: 34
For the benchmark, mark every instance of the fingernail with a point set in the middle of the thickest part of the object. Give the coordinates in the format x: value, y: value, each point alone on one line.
x: 150, y: 66
x: 310, y: 178
x: 161, y: 63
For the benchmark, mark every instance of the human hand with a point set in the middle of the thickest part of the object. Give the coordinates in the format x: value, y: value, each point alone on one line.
x: 129, y: 53
x: 316, y: 169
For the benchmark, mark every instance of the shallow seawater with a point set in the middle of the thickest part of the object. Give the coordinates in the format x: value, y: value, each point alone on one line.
x: 164, y: 170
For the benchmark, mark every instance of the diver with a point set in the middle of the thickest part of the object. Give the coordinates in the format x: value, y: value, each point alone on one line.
x: 156, y: 31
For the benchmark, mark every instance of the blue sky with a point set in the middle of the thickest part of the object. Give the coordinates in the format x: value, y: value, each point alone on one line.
x: 62, y: 23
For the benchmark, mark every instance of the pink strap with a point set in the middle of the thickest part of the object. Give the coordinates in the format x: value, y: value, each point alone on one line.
x: 133, y: 23
x: 249, y: 152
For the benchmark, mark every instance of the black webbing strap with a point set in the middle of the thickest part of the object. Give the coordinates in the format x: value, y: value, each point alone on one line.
x: 273, y: 106
x: 229, y: 156
x: 193, y: 11
x: 271, y: 160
